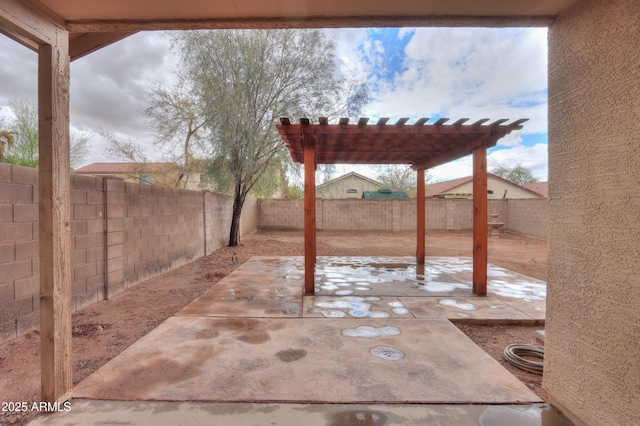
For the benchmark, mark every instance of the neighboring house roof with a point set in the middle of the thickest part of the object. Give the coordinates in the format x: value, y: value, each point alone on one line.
x: 120, y: 168
x: 348, y: 175
x: 385, y: 193
x: 438, y: 188
x: 541, y: 188
x: 434, y: 189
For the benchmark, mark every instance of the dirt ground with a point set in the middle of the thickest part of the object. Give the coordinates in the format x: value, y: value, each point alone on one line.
x: 103, y: 330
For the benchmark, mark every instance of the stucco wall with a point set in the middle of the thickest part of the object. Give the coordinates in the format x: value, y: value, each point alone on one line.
x: 338, y: 187
x: 592, y: 343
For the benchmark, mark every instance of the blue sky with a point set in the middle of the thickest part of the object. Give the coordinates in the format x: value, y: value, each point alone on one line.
x: 427, y: 72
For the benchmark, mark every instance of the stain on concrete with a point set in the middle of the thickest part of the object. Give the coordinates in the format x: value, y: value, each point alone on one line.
x: 248, y: 330
x: 206, y: 334
x: 386, y: 352
x: 249, y: 365
x: 160, y: 372
x: 291, y: 355
x: 359, y: 418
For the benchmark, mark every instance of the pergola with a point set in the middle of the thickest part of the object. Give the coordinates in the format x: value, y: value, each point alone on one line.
x: 421, y: 145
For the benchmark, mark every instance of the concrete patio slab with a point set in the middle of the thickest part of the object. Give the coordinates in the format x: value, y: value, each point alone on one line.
x: 472, y: 309
x: 136, y: 413
x: 254, y: 350
x: 247, y: 299
x: 305, y: 360
x: 354, y: 307
x: 536, y: 309
x: 384, y: 276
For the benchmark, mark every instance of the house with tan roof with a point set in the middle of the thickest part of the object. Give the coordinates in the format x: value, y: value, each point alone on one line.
x: 497, y: 187
x: 541, y: 188
x: 350, y: 185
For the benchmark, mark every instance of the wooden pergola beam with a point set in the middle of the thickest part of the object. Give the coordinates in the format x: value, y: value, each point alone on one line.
x: 480, y: 220
x: 421, y: 220
x: 309, y: 213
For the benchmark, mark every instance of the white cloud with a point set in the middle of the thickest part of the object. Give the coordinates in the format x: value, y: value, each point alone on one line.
x: 533, y: 157
x: 461, y: 72
x: 471, y: 72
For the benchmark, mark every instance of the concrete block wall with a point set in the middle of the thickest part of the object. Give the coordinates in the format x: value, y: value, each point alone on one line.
x: 217, y: 231
x: 528, y: 217
x: 355, y: 215
x: 150, y: 230
x: 250, y: 221
x: 87, y: 240
x: 284, y: 214
x: 121, y: 234
x: 19, y: 284
x: 400, y: 215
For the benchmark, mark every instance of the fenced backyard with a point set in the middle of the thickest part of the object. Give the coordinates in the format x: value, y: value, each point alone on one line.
x: 124, y: 233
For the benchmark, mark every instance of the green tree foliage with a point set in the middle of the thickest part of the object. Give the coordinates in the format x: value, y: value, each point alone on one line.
x: 78, y: 148
x: 178, y: 122
x: 399, y: 177
x: 22, y: 148
x: 247, y: 80
x: 127, y: 150
x: 517, y: 174
x: 6, y: 138
x: 24, y: 126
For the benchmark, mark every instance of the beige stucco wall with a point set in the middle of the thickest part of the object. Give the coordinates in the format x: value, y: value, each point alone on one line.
x: 592, y: 348
x: 338, y: 188
x: 498, y: 187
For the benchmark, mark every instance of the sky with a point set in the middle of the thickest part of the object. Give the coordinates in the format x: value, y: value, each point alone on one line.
x: 426, y: 72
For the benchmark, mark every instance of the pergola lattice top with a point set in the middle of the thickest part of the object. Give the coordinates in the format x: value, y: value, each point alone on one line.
x: 421, y: 145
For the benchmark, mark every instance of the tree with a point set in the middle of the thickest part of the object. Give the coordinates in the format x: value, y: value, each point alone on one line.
x: 24, y: 126
x: 399, y: 177
x: 22, y: 144
x: 127, y: 150
x: 247, y: 80
x: 6, y: 138
x: 518, y: 174
x: 178, y: 123
x: 78, y: 148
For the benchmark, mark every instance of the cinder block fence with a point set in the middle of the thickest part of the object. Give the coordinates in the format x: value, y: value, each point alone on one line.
x: 124, y: 233
x: 520, y: 216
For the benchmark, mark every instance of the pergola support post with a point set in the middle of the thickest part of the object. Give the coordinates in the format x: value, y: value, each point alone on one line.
x: 480, y: 220
x: 54, y: 219
x: 421, y: 225
x: 309, y: 147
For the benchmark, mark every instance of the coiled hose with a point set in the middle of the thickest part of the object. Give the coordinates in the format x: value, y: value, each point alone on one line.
x: 513, y: 354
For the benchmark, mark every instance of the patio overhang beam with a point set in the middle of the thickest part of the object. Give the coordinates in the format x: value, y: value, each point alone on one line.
x: 277, y: 22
